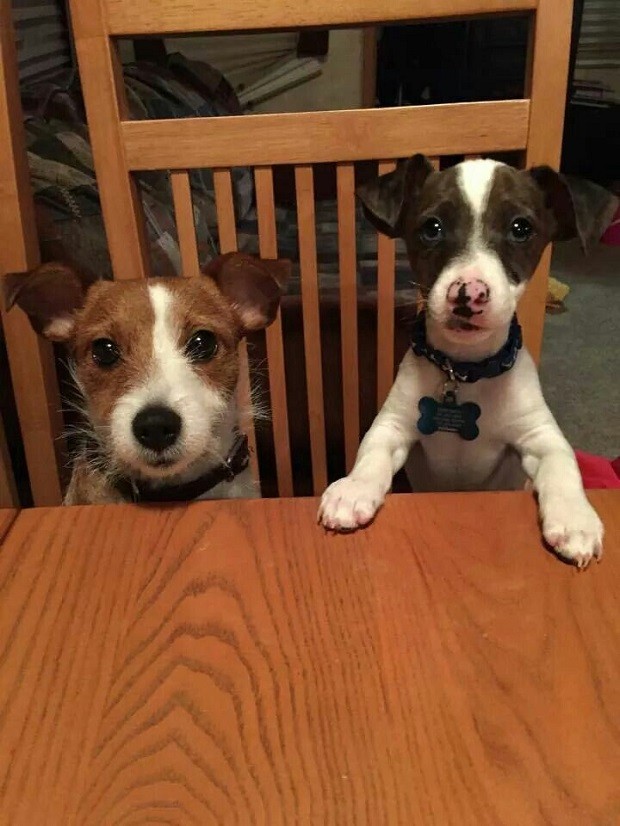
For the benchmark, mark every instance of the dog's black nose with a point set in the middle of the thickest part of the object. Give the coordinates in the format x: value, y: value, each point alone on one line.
x: 156, y: 427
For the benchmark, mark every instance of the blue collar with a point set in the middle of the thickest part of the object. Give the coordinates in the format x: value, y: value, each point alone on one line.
x: 468, y: 371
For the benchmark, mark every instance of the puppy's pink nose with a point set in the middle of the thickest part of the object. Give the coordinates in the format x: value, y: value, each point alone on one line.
x: 469, y: 291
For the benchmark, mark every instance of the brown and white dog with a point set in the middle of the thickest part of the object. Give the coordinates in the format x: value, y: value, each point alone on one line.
x: 474, y: 235
x: 156, y: 365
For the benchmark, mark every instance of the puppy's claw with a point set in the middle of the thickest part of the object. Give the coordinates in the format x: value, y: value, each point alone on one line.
x: 349, y: 504
x: 574, y: 531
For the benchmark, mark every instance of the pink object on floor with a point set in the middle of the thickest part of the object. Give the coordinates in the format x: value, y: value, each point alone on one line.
x: 598, y: 472
x: 611, y: 235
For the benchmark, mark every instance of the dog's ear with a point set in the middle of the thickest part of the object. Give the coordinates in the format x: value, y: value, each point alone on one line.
x: 49, y: 295
x: 253, y: 286
x: 384, y: 197
x: 580, y: 208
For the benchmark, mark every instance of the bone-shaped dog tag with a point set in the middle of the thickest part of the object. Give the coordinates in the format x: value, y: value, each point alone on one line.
x: 448, y: 416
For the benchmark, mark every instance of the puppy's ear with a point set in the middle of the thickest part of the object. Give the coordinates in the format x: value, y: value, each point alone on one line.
x: 49, y: 295
x: 580, y: 208
x: 253, y: 286
x: 384, y: 197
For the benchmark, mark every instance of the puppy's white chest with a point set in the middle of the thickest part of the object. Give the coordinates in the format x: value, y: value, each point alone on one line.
x: 447, y: 461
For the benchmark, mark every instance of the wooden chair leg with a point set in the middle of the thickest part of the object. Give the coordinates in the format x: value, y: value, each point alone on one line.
x: 8, y: 491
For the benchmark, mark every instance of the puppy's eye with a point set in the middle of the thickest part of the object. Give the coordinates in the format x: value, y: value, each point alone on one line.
x: 521, y: 230
x: 104, y: 352
x: 431, y: 231
x: 202, y: 346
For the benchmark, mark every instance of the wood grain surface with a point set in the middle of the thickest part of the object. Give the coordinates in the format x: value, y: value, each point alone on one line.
x: 230, y: 663
x: 169, y: 16
x: 326, y: 137
x: 7, y: 517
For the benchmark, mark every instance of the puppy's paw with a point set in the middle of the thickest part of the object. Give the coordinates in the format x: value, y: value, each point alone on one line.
x: 574, y: 531
x: 349, y: 504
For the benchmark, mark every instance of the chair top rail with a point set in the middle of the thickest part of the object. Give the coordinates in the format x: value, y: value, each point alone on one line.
x: 326, y: 137
x: 128, y: 17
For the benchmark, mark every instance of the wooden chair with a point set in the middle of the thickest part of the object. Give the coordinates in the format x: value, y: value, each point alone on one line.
x: 122, y: 147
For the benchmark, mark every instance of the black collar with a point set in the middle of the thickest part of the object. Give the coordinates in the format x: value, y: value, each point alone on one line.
x: 468, y: 371
x: 139, y: 491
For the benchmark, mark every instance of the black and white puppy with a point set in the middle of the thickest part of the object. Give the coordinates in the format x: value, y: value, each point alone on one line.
x: 466, y: 411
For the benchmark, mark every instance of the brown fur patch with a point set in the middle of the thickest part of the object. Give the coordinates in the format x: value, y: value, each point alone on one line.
x: 122, y: 312
x: 253, y: 286
x: 199, y: 305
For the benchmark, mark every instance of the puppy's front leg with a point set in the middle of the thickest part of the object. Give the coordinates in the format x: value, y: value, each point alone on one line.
x: 352, y: 502
x: 570, y: 524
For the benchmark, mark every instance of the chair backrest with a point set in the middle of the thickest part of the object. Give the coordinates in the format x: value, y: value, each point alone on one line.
x: 121, y: 147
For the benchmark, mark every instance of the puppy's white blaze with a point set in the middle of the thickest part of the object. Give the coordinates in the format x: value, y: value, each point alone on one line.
x: 475, y: 179
x: 170, y: 380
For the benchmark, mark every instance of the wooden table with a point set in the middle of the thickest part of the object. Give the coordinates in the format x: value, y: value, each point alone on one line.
x: 7, y: 517
x: 231, y: 663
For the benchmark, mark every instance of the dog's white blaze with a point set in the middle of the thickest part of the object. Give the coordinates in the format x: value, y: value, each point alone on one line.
x: 475, y: 179
x: 170, y: 367
x: 173, y: 381
x: 169, y: 380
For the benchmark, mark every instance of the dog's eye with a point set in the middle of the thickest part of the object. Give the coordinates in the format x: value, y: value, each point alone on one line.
x: 521, y: 230
x: 202, y: 346
x: 104, y: 352
x: 431, y: 231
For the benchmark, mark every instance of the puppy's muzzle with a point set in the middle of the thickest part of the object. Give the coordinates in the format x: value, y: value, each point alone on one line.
x: 156, y: 427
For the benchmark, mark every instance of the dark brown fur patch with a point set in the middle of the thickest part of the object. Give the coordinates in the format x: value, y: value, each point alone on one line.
x: 513, y: 194
x: 441, y: 197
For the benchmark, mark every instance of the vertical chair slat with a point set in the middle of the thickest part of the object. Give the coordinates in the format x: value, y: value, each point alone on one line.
x: 186, y: 228
x: 304, y: 184
x: 101, y: 77
x: 386, y: 262
x: 225, y: 206
x: 31, y: 360
x: 345, y: 179
x: 227, y: 230
x: 268, y: 246
x: 546, y: 77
